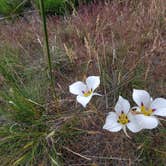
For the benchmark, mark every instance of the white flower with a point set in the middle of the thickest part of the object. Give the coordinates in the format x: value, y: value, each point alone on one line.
x: 148, y: 108
x: 85, y: 91
x: 121, y: 118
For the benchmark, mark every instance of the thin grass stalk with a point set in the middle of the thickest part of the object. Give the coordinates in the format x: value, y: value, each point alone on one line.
x: 47, y: 51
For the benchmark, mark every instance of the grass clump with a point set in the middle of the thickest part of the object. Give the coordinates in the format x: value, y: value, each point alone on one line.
x: 10, y: 7
x: 27, y: 126
x: 24, y: 131
x: 53, y: 7
x: 61, y: 7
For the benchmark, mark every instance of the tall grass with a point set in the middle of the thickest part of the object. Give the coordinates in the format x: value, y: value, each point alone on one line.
x: 47, y: 50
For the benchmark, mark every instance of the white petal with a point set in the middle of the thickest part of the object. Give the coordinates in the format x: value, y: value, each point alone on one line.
x: 77, y: 88
x: 83, y: 100
x: 147, y: 122
x: 160, y: 112
x: 141, y: 96
x: 122, y: 105
x: 133, y: 125
x: 111, y: 123
x: 159, y: 105
x: 93, y: 82
x: 112, y: 116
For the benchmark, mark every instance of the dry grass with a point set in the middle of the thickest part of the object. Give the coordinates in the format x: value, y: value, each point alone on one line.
x: 124, y: 43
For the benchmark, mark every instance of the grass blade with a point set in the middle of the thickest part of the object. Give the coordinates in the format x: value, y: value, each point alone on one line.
x: 42, y: 9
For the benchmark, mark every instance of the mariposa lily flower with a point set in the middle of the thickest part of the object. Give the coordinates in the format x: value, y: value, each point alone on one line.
x: 147, y: 109
x: 85, y: 91
x: 121, y: 118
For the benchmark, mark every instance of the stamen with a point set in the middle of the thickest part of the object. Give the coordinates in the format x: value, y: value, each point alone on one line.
x: 146, y: 111
x: 87, y: 93
x: 153, y: 110
x: 123, y: 119
x: 134, y: 109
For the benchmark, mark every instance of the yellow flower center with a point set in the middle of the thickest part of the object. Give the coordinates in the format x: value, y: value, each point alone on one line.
x: 87, y: 93
x: 146, y: 111
x: 123, y: 119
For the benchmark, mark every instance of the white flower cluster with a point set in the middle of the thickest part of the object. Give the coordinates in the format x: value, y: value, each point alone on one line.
x: 142, y: 116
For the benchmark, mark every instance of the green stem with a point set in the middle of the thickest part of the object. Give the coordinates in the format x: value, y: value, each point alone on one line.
x: 42, y: 9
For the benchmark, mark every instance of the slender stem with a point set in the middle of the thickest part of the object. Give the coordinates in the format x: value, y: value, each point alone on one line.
x: 47, y: 52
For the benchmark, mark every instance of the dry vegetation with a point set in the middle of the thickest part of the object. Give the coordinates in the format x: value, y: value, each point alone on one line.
x: 124, y: 43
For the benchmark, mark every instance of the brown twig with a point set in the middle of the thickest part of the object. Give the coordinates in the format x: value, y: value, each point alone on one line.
x: 77, y: 154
